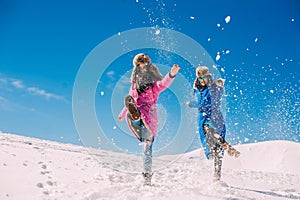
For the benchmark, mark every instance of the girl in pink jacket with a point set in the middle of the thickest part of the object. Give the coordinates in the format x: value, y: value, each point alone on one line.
x: 140, y: 105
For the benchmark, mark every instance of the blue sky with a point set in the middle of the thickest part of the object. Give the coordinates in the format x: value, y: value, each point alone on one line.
x: 44, y: 43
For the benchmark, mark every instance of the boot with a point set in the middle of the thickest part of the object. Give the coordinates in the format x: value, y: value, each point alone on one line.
x: 147, y: 177
x: 230, y: 150
x: 217, y: 177
x: 217, y: 164
x: 131, y: 107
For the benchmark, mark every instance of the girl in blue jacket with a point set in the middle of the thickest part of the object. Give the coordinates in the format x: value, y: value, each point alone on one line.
x: 211, y: 123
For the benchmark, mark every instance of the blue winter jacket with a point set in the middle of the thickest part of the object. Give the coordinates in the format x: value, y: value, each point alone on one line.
x: 209, y: 111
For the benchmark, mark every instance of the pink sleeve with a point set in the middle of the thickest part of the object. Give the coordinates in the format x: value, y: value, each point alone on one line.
x: 165, y: 82
x: 123, y: 113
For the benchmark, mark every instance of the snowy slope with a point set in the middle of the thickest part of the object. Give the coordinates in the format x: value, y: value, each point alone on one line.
x: 37, y: 169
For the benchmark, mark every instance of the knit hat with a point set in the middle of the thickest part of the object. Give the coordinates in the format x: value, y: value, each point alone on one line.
x: 141, y: 57
x: 202, y: 71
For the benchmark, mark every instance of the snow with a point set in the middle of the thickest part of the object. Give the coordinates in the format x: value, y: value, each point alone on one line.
x: 33, y: 169
x: 227, y: 19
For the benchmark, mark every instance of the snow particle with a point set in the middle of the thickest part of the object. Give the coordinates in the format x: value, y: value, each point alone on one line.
x: 256, y: 39
x: 218, y: 57
x: 292, y: 19
x: 218, y: 25
x: 102, y: 93
x: 157, y: 32
x: 208, y: 39
x: 227, y: 19
x: 50, y: 183
x: 40, y: 185
x: 272, y: 91
x: 192, y: 17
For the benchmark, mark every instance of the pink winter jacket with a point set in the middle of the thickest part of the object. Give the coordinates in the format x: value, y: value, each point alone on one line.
x: 146, y: 103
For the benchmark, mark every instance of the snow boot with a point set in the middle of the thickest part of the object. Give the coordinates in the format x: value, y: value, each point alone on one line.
x: 230, y: 150
x: 217, y: 177
x: 147, y: 177
x: 131, y: 107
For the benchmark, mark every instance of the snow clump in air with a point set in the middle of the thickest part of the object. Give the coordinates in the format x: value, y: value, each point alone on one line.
x: 227, y: 19
x: 218, y: 57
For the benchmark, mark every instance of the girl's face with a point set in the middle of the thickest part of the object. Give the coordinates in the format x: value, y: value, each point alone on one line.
x: 142, y: 66
x: 203, y: 80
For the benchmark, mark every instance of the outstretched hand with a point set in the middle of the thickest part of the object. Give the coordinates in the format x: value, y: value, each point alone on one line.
x: 175, y: 69
x: 120, y: 118
x: 187, y: 104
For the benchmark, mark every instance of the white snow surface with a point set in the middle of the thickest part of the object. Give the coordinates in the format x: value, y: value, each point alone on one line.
x: 37, y: 169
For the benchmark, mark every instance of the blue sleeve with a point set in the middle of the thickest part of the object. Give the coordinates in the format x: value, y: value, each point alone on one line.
x: 206, y: 99
x: 193, y: 104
